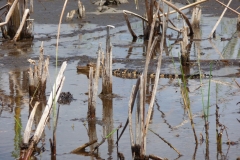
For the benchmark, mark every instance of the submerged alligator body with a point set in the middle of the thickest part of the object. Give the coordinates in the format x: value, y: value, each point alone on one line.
x: 86, y: 62
x: 133, y: 74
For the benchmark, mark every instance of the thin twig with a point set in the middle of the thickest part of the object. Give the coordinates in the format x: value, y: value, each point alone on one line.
x: 228, y: 7
x: 166, y: 142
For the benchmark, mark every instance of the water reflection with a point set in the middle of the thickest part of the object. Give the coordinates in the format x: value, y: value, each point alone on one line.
x: 18, y: 90
x: 107, y: 120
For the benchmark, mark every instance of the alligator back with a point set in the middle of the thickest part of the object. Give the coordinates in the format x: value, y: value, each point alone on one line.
x: 133, y: 74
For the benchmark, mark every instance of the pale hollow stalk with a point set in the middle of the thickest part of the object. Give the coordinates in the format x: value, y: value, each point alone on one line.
x: 196, y: 16
x: 95, y: 84
x: 58, y: 33
x: 108, y: 41
x: 10, y: 12
x: 214, y: 28
x: 57, y: 42
x: 132, y: 105
x: 28, y: 129
x: 154, y: 88
x: 45, y: 70
x: 91, y: 105
x: 107, y: 81
x: 148, y: 57
x: 54, y: 143
x: 42, y: 123
x: 130, y: 116
x: 57, y: 85
x: 26, y: 13
x: 147, y: 10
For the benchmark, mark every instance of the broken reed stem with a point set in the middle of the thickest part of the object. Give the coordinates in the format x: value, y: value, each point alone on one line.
x: 182, y: 14
x: 145, y: 20
x: 10, y: 12
x: 170, y: 145
x: 130, y: 116
x: 148, y: 57
x: 151, y: 156
x: 38, y: 75
x: 53, y: 144
x: 159, y: 16
x: 137, y: 120
x: 104, y: 138
x: 214, y: 28
x: 184, y: 49
x: 28, y: 128
x: 154, y: 87
x: 132, y: 105
x: 196, y: 16
x: 26, y: 13
x: 91, y: 105
x: 81, y: 148
x: 129, y: 26
x: 42, y: 123
x: 93, y: 86
x: 107, y: 66
x: 142, y: 112
x: 237, y: 83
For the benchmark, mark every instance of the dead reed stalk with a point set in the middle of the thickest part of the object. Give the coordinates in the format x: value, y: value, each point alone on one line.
x: 53, y: 95
x: 182, y: 14
x: 25, y: 15
x: 220, y: 18
x: 154, y: 87
x: 93, y: 86
x: 170, y: 145
x: 91, y: 103
x: 107, y: 66
x: 38, y: 75
x: 131, y: 104
x: 196, y: 16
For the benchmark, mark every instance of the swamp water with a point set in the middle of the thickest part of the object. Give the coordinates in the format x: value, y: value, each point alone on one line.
x: 170, y: 120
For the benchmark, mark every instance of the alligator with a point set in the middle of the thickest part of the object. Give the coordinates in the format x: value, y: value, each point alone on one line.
x: 86, y: 62
x: 134, y: 73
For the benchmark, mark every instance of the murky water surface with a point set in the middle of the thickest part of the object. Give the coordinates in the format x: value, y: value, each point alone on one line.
x: 170, y: 120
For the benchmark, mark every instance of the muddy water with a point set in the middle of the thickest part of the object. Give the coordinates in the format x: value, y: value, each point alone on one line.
x: 170, y: 120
